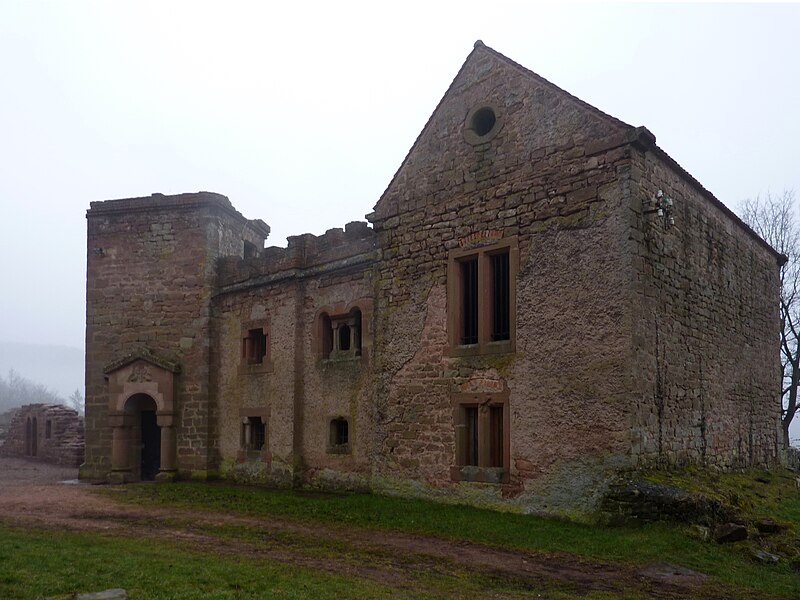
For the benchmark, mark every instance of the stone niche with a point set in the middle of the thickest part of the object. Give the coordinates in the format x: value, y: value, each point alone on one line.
x: 51, y: 433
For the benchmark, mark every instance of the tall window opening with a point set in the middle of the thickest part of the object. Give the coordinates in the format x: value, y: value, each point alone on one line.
x: 471, y: 435
x: 48, y: 429
x: 344, y: 337
x: 500, y: 297
x: 495, y: 436
x: 481, y: 299
x: 469, y: 300
x: 482, y: 437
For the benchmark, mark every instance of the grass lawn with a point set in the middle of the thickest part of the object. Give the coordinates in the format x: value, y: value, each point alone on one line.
x: 36, y: 564
x: 39, y: 563
x: 634, y: 545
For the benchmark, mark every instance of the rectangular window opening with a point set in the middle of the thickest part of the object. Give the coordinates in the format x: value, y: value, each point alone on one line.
x: 258, y: 433
x: 471, y: 436
x: 500, y: 297
x: 469, y: 301
x: 495, y: 436
x: 254, y: 346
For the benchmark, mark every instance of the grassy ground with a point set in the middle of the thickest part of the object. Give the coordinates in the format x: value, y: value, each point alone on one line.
x: 732, y: 564
x: 239, y: 561
x: 34, y: 564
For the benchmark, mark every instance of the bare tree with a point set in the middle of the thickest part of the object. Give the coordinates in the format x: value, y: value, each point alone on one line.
x: 774, y: 219
x: 75, y: 401
x: 15, y: 391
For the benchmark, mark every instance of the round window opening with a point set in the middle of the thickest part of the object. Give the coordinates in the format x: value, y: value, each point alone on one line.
x: 483, y: 121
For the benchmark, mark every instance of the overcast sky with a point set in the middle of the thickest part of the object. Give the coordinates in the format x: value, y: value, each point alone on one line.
x: 301, y: 113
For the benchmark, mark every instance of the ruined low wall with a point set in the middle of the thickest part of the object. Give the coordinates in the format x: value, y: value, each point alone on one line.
x: 49, y: 432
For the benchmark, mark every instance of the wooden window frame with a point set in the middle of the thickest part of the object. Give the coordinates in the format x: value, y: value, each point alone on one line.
x: 455, y: 318
x: 265, y: 365
x: 484, y: 471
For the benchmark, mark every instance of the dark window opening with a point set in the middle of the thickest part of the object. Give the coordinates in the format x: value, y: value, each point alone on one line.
x: 469, y: 301
x: 48, y: 429
x: 500, y: 297
x: 340, y: 335
x: 339, y: 432
x: 254, y: 346
x: 481, y: 439
x: 254, y: 434
x: 471, y: 435
x: 344, y: 337
x: 483, y: 121
x: 495, y: 436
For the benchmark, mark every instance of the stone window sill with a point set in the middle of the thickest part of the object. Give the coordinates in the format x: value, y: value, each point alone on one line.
x: 496, y: 475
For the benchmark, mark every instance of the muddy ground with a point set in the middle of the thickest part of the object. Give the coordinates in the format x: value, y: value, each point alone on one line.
x: 37, y: 495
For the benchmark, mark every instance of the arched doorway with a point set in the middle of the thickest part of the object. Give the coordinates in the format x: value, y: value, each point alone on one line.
x: 142, y: 417
x: 145, y: 436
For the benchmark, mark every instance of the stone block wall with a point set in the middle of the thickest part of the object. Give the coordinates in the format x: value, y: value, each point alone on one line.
x: 553, y: 180
x: 150, y: 275
x: 706, y: 327
x: 48, y: 432
x: 284, y: 292
x: 630, y: 344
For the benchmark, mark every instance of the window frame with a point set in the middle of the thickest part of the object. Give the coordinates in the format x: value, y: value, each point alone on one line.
x: 328, y: 323
x: 484, y: 471
x: 265, y: 364
x: 455, y: 317
x: 246, y: 451
x: 332, y: 446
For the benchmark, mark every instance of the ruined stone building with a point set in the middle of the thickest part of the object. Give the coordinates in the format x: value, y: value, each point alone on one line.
x: 542, y: 298
x: 48, y: 432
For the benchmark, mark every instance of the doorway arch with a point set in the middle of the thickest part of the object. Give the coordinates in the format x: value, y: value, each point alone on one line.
x: 141, y: 391
x: 144, y: 436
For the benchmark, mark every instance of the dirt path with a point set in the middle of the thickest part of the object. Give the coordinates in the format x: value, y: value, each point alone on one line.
x: 33, y: 495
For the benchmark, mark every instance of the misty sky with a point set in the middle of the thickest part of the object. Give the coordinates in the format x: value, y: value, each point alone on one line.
x: 301, y: 114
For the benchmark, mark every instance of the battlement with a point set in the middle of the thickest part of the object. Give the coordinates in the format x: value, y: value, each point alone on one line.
x: 302, y: 252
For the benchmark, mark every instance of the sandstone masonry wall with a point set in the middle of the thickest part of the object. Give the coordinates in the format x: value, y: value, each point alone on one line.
x: 706, y: 328
x: 285, y: 291
x: 554, y: 178
x: 150, y: 274
x: 58, y: 435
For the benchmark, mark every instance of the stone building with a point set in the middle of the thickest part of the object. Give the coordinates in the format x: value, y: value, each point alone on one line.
x: 49, y: 432
x: 543, y: 299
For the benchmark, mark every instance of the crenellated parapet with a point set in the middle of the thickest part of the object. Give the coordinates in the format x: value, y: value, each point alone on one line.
x: 305, y: 255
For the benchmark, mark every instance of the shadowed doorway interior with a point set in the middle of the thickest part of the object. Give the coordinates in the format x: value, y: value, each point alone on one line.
x: 146, y: 436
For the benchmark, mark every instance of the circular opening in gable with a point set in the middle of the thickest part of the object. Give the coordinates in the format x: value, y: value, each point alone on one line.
x: 483, y: 121
x: 482, y: 124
